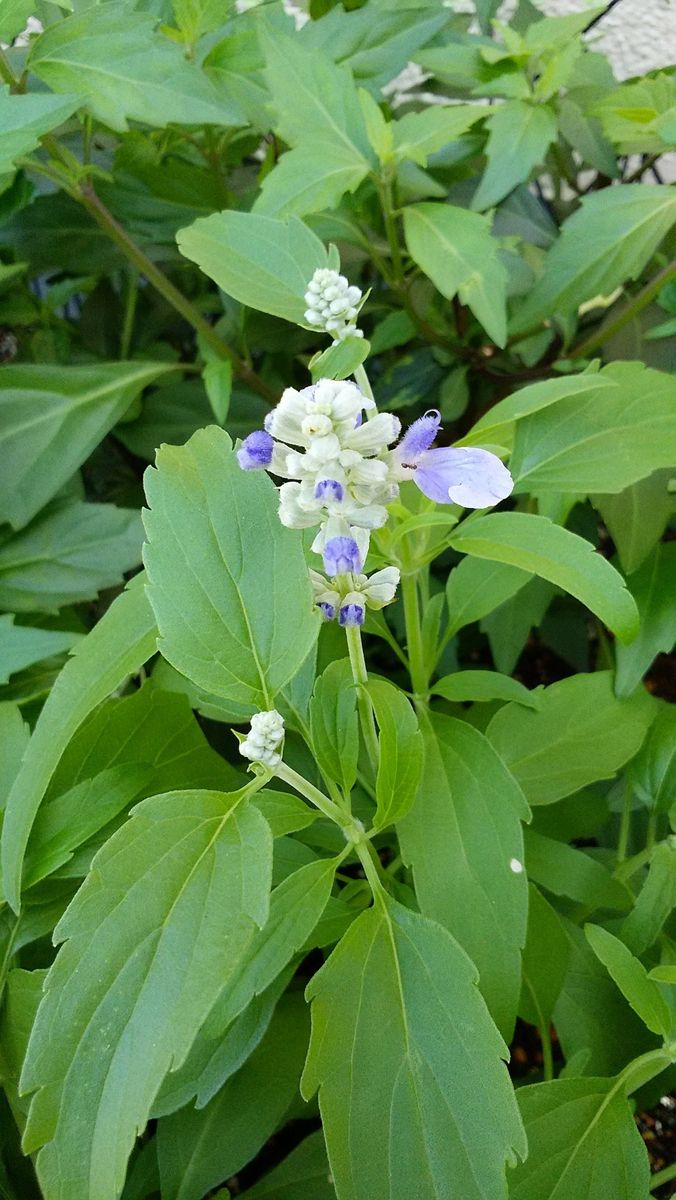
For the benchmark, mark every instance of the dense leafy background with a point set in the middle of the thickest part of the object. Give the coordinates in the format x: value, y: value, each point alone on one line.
x: 171, y: 175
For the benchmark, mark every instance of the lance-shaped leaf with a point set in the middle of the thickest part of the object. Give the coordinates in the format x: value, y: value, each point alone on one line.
x: 631, y: 977
x: 419, y: 134
x: 228, y: 583
x: 601, y: 440
x: 69, y: 553
x: 312, y: 177
x: 545, y: 961
x: 163, y: 919
x: 455, y: 249
x: 111, y: 57
x: 653, y: 587
x: 607, y: 241
x: 656, y: 899
x: 484, y: 685
x: 580, y: 733
x: 198, y: 1148
x: 52, y: 417
x: 121, y: 642
x: 401, y: 752
x: 22, y: 645
x: 536, y: 544
x: 261, y: 261
x: 582, y: 1141
x: 519, y: 138
x: 407, y: 1062
x: 24, y: 119
x: 463, y: 839
x: 334, y: 724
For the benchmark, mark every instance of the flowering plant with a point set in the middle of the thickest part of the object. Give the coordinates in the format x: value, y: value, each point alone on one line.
x: 337, y: 785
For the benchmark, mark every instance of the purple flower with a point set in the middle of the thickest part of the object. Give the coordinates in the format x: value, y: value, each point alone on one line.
x: 341, y: 554
x: 255, y: 453
x: 327, y: 610
x: 351, y: 614
x: 329, y: 489
x: 468, y: 476
x: 418, y: 438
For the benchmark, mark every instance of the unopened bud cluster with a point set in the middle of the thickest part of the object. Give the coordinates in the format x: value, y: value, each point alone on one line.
x: 347, y: 600
x: 262, y: 742
x: 332, y: 304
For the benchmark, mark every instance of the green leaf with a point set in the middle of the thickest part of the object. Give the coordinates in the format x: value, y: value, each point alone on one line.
x: 311, y: 178
x: 69, y: 553
x: 585, y: 135
x: 14, y: 737
x: 186, y: 879
x: 498, y: 424
x: 51, y: 418
x: 545, y: 961
x: 197, y: 17
x: 484, y: 685
x: 607, y: 241
x: 217, y: 376
x: 13, y: 17
x: 198, y: 1148
x: 213, y: 1060
x: 656, y: 899
x: 537, y: 545
x: 455, y: 249
x: 315, y: 100
x: 263, y: 262
x: 304, y: 1172
x: 121, y: 642
x: 637, y: 516
x: 403, y: 1098
x: 520, y: 136
x: 592, y: 1017
x: 417, y: 135
x: 25, y: 118
x: 296, y: 906
x: 582, y: 1141
x: 601, y: 441
x: 638, y: 115
x: 509, y: 626
x: 21, y: 997
x: 22, y: 645
x: 341, y: 359
x: 150, y: 727
x: 653, y: 587
x: 631, y: 977
x: 228, y: 583
x: 401, y: 752
x: 476, y: 586
x: 464, y: 842
x: 565, y: 871
x: 581, y: 733
x: 63, y: 824
x: 110, y: 56
x: 334, y: 725
x: 653, y: 771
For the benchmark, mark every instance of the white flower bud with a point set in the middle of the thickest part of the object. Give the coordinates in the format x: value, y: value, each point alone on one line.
x: 332, y: 304
x: 262, y: 742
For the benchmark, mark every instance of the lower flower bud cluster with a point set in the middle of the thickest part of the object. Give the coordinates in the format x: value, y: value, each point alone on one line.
x: 346, y: 597
x: 262, y: 743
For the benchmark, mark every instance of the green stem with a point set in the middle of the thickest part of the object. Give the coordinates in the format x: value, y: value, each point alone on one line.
x: 640, y: 301
x: 105, y: 219
x: 387, y: 205
x: 362, y: 380
x: 320, y: 801
x: 130, y: 301
x: 651, y: 832
x: 414, y: 641
x: 625, y: 821
x: 355, y: 650
x: 372, y: 865
x: 664, y: 1176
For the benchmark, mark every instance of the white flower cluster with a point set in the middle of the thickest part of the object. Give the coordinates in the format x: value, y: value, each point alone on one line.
x: 262, y: 742
x: 332, y: 458
x: 332, y: 304
x: 349, y: 604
